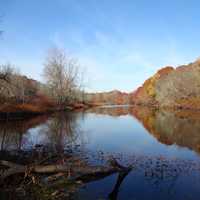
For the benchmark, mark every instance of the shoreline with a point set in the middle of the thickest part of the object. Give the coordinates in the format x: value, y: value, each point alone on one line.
x: 172, y: 108
x: 23, y: 111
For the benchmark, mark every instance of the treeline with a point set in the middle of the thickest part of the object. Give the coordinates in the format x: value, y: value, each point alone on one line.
x: 114, y: 97
x: 63, y: 81
x: 15, y: 87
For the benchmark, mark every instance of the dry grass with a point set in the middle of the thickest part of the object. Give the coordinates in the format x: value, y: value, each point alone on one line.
x: 39, y: 104
x: 21, y: 108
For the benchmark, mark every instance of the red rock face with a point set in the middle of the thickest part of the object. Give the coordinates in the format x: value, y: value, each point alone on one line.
x: 146, y: 93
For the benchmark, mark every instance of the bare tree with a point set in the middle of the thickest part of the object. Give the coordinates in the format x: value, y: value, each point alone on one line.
x: 62, y: 75
x: 6, y: 72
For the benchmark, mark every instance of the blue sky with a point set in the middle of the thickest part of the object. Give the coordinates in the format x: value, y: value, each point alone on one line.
x: 119, y: 43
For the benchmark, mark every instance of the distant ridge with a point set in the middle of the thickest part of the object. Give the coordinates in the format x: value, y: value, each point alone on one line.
x: 112, y: 97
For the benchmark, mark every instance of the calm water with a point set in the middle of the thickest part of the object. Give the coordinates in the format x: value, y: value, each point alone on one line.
x: 163, y: 146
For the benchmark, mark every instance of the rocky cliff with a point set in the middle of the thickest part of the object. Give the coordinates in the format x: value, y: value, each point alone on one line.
x: 171, y: 87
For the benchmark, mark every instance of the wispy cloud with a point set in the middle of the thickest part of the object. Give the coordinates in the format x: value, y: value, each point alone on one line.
x: 112, y: 64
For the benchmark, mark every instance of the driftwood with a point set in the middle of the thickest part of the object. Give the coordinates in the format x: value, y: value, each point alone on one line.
x: 78, y: 171
x: 73, y: 172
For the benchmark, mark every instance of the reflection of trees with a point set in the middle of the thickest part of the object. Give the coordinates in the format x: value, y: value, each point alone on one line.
x: 10, y: 137
x: 168, y: 127
x: 114, y: 111
x: 121, y: 177
x: 63, y: 131
x: 60, y: 131
x: 11, y: 132
x: 171, y: 127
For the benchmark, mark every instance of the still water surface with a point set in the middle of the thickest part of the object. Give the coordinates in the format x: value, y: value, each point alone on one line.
x: 163, y: 146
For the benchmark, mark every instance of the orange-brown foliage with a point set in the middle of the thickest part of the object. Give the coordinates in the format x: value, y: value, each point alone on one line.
x: 39, y: 104
x: 146, y: 94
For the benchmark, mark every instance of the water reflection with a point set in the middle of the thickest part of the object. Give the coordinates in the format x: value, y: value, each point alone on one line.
x: 169, y: 127
x: 172, y: 127
x: 148, y: 136
x: 63, y: 130
x: 12, y: 132
x: 114, y: 111
x: 56, y: 132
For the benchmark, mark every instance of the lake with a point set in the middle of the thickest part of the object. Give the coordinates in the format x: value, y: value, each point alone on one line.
x: 163, y: 146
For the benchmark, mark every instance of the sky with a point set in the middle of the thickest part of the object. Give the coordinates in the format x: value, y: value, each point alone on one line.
x: 119, y: 43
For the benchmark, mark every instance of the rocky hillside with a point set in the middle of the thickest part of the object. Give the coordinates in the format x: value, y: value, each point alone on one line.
x: 17, y: 87
x: 171, y: 87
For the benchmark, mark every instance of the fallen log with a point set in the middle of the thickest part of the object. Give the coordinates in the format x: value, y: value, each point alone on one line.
x: 73, y: 169
x: 71, y: 174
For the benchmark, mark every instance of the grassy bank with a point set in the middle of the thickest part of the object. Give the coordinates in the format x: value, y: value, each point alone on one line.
x: 13, y: 111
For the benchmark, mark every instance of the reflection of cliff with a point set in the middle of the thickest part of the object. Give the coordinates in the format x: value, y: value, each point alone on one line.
x: 181, y: 128
x: 11, y: 132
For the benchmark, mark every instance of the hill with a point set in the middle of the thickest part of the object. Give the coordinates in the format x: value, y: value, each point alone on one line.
x: 171, y: 87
